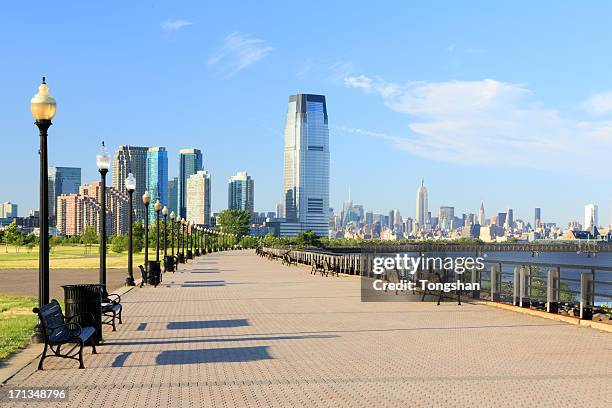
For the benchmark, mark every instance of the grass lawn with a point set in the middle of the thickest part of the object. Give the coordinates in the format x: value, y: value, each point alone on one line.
x: 67, y: 257
x: 16, y: 323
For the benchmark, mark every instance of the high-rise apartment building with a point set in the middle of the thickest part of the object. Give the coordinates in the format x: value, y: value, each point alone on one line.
x: 591, y: 217
x: 157, y: 177
x: 190, y: 162
x: 8, y: 210
x: 306, y: 166
x: 61, y: 180
x: 241, y: 192
x: 198, y: 198
x: 422, y: 205
x: 173, y: 195
x: 131, y: 159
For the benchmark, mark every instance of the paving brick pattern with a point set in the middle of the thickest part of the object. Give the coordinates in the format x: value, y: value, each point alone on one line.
x: 233, y: 329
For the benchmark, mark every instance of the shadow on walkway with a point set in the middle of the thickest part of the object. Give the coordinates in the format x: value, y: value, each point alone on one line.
x: 207, y: 324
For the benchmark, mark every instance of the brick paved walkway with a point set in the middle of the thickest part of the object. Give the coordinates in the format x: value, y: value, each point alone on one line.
x: 236, y: 330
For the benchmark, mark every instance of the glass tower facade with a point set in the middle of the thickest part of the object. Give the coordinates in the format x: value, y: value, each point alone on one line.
x: 157, y: 178
x: 173, y: 195
x: 240, y: 192
x: 62, y: 180
x: 306, y: 165
x: 190, y: 162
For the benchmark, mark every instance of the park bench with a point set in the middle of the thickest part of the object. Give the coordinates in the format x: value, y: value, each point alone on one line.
x: 329, y: 268
x: 145, y: 277
x: 112, y: 310
x: 58, y: 330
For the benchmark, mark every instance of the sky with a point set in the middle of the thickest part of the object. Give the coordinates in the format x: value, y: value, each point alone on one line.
x: 509, y: 103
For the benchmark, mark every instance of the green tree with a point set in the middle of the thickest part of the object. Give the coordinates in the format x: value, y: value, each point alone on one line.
x: 119, y: 244
x: 308, y: 239
x: 89, y: 238
x: 13, y: 236
x: 137, y: 236
x: 234, y: 222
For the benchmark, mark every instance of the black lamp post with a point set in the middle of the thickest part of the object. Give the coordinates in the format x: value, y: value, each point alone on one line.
x: 130, y: 186
x: 204, y: 239
x: 157, y: 210
x: 103, y: 163
x: 146, y: 200
x: 165, y: 214
x: 43, y: 109
x: 172, y: 217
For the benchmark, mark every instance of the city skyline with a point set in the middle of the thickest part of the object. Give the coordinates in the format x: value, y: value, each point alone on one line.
x: 396, y: 137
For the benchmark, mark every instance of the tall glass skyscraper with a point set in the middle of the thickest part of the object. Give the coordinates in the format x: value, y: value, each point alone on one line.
x: 157, y: 177
x: 422, y: 206
x: 306, y: 171
x: 190, y: 162
x: 62, y: 180
x: 131, y: 159
x: 240, y: 192
x: 173, y: 195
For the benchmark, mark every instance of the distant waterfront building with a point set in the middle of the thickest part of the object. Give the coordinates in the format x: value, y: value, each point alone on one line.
x: 8, y: 210
x: 157, y: 177
x: 241, y: 192
x: 537, y: 219
x: 131, y: 159
x: 198, y: 198
x: 422, y: 205
x: 173, y: 195
x: 369, y: 218
x: 61, y: 180
x: 306, y: 166
x: 446, y: 218
x: 280, y: 210
x: 117, y: 206
x: 481, y: 214
x: 190, y: 162
x: 509, y: 223
x: 591, y: 217
x: 501, y: 219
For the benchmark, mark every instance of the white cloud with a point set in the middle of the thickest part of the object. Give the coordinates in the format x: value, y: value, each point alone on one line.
x: 173, y: 25
x: 489, y: 122
x: 238, y: 52
x: 599, y: 103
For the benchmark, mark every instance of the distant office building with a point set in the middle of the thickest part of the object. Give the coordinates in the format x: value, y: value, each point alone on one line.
x: 198, y: 198
x: 8, y: 210
x: 173, y: 195
x: 369, y: 218
x: 509, y: 223
x: 422, y: 206
x: 157, y: 177
x: 280, y: 210
x: 501, y: 219
x: 446, y: 218
x: 131, y: 159
x: 306, y: 166
x: 241, y: 192
x: 537, y: 220
x: 190, y: 162
x: 61, y: 180
x: 591, y: 217
x: 481, y: 214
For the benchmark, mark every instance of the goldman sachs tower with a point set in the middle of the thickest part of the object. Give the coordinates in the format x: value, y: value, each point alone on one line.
x: 306, y: 170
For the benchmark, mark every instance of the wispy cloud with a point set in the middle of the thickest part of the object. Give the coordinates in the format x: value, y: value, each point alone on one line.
x: 238, y: 52
x: 173, y: 25
x: 490, y: 122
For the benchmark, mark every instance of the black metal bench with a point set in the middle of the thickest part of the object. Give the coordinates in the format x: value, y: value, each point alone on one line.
x: 145, y: 277
x: 58, y: 330
x: 112, y: 310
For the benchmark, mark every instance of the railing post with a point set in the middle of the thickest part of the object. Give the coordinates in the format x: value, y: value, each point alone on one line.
x: 495, y: 275
x: 516, y: 286
x: 587, y: 295
x: 552, y: 290
x: 475, y: 278
x: 525, y: 277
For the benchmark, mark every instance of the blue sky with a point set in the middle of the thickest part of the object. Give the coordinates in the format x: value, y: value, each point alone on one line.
x: 510, y: 103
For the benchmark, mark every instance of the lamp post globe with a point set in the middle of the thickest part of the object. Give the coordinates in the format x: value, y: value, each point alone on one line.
x: 43, y: 108
x: 130, y: 186
x: 103, y: 162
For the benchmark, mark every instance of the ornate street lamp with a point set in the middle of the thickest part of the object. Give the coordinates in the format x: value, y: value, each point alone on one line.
x: 43, y: 109
x: 189, y: 251
x: 146, y: 200
x: 130, y: 186
x: 181, y: 239
x: 157, y: 209
x: 103, y: 162
x: 172, y: 217
x: 184, y: 223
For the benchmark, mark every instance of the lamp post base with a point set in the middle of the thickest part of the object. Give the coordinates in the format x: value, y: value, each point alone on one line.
x: 38, y: 336
x: 129, y: 281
